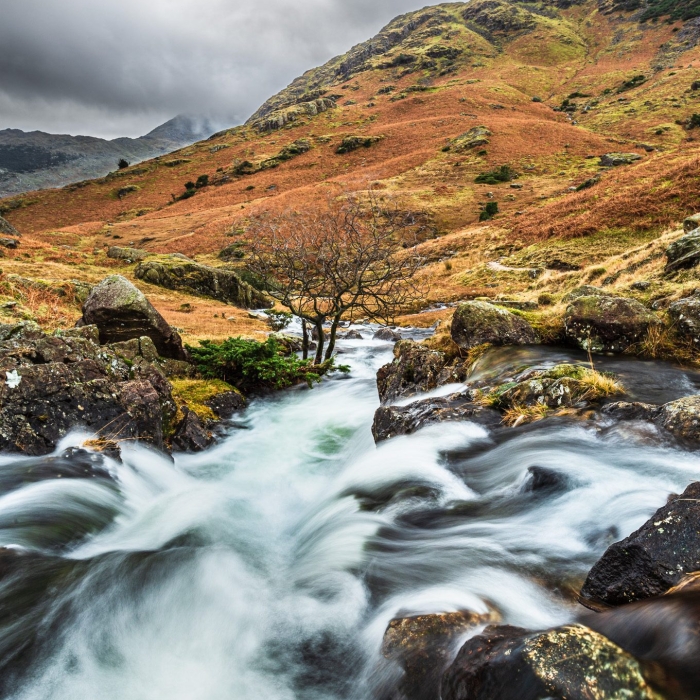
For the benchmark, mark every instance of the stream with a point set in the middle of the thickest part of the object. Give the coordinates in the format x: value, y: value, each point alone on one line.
x: 270, y: 565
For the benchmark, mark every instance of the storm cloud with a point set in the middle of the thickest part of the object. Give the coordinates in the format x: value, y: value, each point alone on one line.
x: 121, y: 67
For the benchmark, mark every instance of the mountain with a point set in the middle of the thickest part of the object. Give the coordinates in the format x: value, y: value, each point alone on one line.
x: 522, y: 105
x: 37, y: 160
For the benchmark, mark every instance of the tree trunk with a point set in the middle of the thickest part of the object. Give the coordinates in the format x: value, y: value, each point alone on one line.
x: 331, y: 338
x: 321, y: 342
x: 304, y: 339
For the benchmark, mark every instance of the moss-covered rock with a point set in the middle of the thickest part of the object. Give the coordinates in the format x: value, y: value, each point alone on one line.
x: 186, y: 275
x: 691, y: 223
x: 352, y: 143
x: 478, y: 322
x: 127, y: 254
x: 615, y: 159
x: 685, y: 317
x: 685, y: 252
x: 477, y: 136
x: 604, y: 324
x: 565, y: 663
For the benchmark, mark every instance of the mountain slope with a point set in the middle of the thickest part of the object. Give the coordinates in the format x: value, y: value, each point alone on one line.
x: 37, y: 160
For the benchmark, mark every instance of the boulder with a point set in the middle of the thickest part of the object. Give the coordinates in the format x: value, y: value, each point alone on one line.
x: 391, y: 421
x: 691, y: 223
x: 387, y: 334
x: 121, y: 312
x: 50, y: 384
x: 606, y: 323
x: 681, y: 418
x: 191, y: 435
x: 216, y: 283
x: 479, y: 322
x: 683, y: 253
x: 685, y: 317
x: 585, y: 290
x: 7, y: 228
x: 615, y: 159
x: 226, y: 404
x: 128, y: 254
x: 423, y: 646
x: 352, y: 335
x: 415, y: 369
x: 651, y: 560
x: 10, y: 243
x: 566, y: 663
x: 476, y: 136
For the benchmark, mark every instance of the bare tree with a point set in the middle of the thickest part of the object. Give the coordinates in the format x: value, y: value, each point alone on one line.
x: 347, y: 259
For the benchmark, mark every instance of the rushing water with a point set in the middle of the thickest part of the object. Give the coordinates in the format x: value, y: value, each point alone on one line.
x: 269, y: 566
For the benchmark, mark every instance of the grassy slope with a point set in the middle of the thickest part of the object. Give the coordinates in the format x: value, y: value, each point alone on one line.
x: 507, y: 55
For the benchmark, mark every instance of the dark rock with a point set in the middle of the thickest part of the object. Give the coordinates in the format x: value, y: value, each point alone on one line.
x: 623, y: 410
x: 128, y: 254
x: 691, y: 223
x: 352, y: 143
x: 615, y: 159
x: 415, y: 369
x: 607, y: 323
x: 685, y: 316
x: 391, y: 421
x: 684, y: 253
x: 545, y: 481
x: 226, y: 404
x: 641, y: 286
x: 387, y: 334
x: 352, y: 335
x: 11, y: 243
x: 7, y: 228
x: 191, y: 435
x: 423, y: 646
x: 478, y: 322
x: 121, y: 312
x: 651, y: 560
x: 566, y: 663
x: 216, y: 283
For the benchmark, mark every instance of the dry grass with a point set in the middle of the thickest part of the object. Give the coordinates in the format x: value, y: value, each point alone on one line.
x: 598, y: 385
x: 521, y: 415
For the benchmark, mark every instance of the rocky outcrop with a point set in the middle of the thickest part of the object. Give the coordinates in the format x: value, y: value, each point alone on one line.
x: 191, y: 435
x: 7, y: 229
x: 614, y: 159
x: 50, y: 384
x: 651, y: 560
x: 415, y: 369
x: 281, y: 117
x: 604, y: 324
x: 478, y: 322
x: 127, y: 254
x: 477, y: 136
x: 387, y: 334
x: 392, y: 421
x: 216, y: 283
x: 423, y: 646
x: 684, y: 253
x: 353, y: 143
x: 121, y: 312
x: 566, y: 663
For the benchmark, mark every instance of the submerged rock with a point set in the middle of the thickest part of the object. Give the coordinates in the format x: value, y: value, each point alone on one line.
x: 685, y: 252
x: 415, y: 369
x: 651, y: 560
x: 392, y: 421
x: 604, y: 324
x: 121, y: 312
x: 224, y: 285
x: 478, y: 322
x: 566, y: 663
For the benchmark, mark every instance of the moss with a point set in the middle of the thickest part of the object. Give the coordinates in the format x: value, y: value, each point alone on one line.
x: 194, y: 393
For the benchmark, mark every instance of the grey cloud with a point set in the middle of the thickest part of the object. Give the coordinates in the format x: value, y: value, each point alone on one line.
x: 120, y: 67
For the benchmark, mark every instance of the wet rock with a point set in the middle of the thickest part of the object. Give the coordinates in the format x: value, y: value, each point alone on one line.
x: 615, y: 159
x: 391, y: 421
x: 415, y: 369
x: 566, y: 663
x: 424, y: 645
x: 691, y: 223
x: 544, y: 481
x: 683, y: 253
x: 685, y: 317
x: 121, y: 312
x: 191, y: 435
x: 387, y: 334
x: 663, y: 633
x: 352, y: 335
x: 128, y: 254
x: 7, y: 228
x: 227, y: 403
x: 216, y: 283
x: 607, y: 323
x: 631, y: 410
x: 478, y: 322
x: 681, y: 418
x: 651, y: 560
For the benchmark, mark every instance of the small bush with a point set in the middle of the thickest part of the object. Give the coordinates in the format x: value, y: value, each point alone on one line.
x: 202, y: 181
x: 123, y: 164
x: 693, y: 121
x: 253, y: 366
x: 632, y: 83
x: 189, y: 185
x: 489, y: 211
x: 492, y: 177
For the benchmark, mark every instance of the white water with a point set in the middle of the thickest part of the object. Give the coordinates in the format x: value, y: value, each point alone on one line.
x: 278, y: 557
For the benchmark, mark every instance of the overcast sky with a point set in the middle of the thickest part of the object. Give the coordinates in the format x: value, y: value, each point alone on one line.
x: 120, y: 67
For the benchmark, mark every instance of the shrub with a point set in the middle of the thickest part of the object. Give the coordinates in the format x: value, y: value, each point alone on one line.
x: 253, y: 366
x: 489, y: 211
x: 189, y: 185
x: 202, y: 181
x: 123, y: 164
x: 492, y: 177
x: 693, y: 121
x: 632, y: 83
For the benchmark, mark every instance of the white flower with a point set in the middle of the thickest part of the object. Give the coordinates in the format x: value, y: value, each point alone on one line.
x: 12, y: 379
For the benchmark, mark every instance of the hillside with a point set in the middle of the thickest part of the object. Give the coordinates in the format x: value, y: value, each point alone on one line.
x: 437, y: 98
x: 35, y: 160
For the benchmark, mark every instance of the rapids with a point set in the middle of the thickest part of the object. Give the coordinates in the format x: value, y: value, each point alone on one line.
x: 270, y: 565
